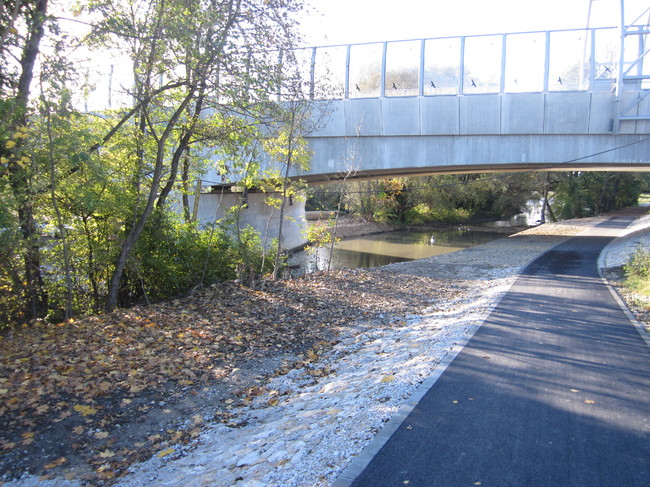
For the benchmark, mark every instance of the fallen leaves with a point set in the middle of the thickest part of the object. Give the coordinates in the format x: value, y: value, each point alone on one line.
x: 69, y: 384
x: 55, y: 463
x: 8, y: 445
x: 28, y: 438
x: 84, y: 410
x: 165, y: 452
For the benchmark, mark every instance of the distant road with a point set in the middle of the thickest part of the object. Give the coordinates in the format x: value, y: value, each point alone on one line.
x: 552, y: 390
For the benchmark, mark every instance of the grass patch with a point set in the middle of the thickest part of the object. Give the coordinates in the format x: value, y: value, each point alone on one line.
x: 637, y: 284
x: 637, y: 272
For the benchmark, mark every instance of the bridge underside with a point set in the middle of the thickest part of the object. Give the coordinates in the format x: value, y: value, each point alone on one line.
x: 465, y: 169
x: 398, y: 156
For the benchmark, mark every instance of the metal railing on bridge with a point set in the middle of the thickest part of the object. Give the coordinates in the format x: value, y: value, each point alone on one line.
x: 524, y: 62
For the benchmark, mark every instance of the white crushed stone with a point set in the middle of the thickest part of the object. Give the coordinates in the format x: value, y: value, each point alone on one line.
x: 619, y: 251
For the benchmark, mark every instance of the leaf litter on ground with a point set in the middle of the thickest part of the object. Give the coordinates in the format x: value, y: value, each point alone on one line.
x: 88, y: 397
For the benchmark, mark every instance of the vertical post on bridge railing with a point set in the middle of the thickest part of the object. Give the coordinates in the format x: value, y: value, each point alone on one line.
x: 421, y: 77
x: 620, y: 71
x: 547, y: 60
x: 346, y: 93
x: 382, y: 82
x: 312, y: 74
x: 590, y: 43
x: 502, y: 80
x: 461, y: 74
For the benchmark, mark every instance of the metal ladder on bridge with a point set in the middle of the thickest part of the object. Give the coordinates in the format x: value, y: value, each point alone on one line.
x: 631, y: 77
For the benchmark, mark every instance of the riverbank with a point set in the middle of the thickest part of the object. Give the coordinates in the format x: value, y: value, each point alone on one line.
x: 290, y: 379
x: 348, y: 227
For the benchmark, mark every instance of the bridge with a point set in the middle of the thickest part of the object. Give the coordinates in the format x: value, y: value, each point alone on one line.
x: 548, y: 100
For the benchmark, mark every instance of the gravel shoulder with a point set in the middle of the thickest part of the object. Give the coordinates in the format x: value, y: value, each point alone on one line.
x: 297, y: 413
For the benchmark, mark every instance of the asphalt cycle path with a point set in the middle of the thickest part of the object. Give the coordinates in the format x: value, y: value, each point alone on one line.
x: 552, y: 390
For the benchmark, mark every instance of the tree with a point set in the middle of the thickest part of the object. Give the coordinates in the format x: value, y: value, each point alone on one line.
x: 23, y: 29
x: 581, y: 194
x: 217, y: 59
x: 80, y: 190
x: 288, y: 148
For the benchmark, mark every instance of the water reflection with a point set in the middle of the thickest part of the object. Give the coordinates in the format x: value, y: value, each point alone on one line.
x: 386, y: 248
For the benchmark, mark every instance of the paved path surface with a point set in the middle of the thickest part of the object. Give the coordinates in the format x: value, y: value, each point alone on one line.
x: 552, y: 390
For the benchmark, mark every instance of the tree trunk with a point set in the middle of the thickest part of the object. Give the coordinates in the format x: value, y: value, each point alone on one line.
x: 138, y: 226
x: 59, y: 219
x: 36, y: 299
x: 132, y: 238
x: 602, y: 203
x: 285, y: 187
x: 181, y: 149
x: 185, y: 185
x: 336, y: 219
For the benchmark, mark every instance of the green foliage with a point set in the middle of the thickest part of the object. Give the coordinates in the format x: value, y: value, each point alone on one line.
x: 319, y: 233
x: 449, y: 198
x: 422, y: 213
x: 382, y: 200
x: 251, y: 259
x: 637, y: 272
x: 11, y: 280
x: 453, y: 198
x: 83, y: 196
x: 167, y: 260
x: 172, y: 256
x: 324, y: 198
x: 582, y: 194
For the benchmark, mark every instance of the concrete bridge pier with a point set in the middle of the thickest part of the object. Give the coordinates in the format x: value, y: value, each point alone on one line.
x: 258, y: 214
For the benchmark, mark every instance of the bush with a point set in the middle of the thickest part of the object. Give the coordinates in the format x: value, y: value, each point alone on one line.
x: 637, y: 272
x: 171, y: 257
x: 250, y: 259
x: 12, y: 299
x: 422, y: 213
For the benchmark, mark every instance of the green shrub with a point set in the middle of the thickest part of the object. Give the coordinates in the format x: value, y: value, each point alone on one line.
x: 422, y: 213
x: 12, y: 305
x: 250, y: 259
x: 637, y: 272
x: 171, y: 257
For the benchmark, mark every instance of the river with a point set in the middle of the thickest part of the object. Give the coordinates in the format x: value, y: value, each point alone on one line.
x: 385, y: 248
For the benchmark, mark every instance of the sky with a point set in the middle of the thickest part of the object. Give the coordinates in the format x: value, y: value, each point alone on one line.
x: 354, y: 21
